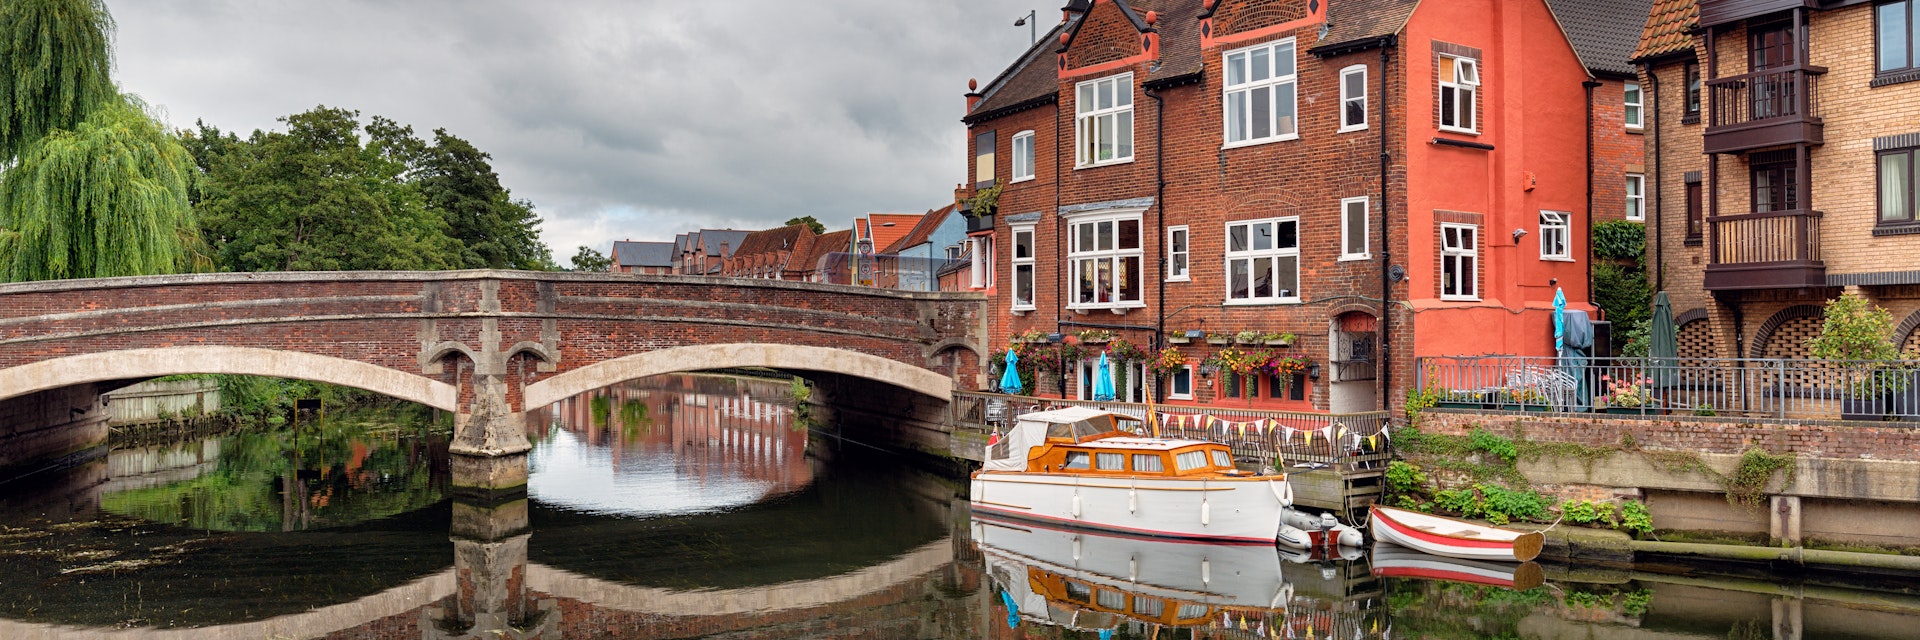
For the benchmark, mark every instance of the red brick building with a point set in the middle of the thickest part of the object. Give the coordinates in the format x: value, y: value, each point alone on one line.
x: 641, y: 257
x: 1284, y: 166
x: 773, y: 254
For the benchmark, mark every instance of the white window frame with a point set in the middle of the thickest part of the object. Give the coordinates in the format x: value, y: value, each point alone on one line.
x: 1087, y: 368
x: 1466, y: 77
x: 1272, y: 84
x: 1468, y: 252
x: 1347, y: 231
x: 1022, y: 140
x: 1185, y: 370
x: 1115, y: 257
x: 1181, y: 270
x: 980, y: 253
x: 1348, y: 98
x: 1252, y: 255
x: 1030, y: 262
x: 1633, y: 106
x: 1090, y: 120
x: 1556, y: 235
x: 1637, y: 197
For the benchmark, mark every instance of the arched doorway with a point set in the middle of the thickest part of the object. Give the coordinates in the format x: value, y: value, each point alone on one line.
x: 1352, y: 358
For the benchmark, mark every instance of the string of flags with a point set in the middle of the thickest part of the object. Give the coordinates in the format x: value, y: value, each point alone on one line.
x: 1260, y: 427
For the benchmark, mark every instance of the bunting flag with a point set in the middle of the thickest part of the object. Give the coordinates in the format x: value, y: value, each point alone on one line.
x: 1286, y: 434
x: 1309, y: 435
x: 1372, y: 443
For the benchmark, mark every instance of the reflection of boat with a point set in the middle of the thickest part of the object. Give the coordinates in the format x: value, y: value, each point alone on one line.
x: 1452, y: 538
x: 1092, y: 581
x: 1088, y: 580
x: 1392, y: 561
x: 1076, y: 467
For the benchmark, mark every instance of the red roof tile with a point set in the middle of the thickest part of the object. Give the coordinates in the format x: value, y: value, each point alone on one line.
x: 1670, y: 27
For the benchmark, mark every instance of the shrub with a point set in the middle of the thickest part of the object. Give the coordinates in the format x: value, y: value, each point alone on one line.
x: 1487, y: 441
x: 1634, y: 518
x: 1404, y: 478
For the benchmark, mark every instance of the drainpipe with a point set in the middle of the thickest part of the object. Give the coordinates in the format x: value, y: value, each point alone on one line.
x: 1659, y: 238
x: 1385, y: 373
x: 1160, y: 211
x: 1590, y: 84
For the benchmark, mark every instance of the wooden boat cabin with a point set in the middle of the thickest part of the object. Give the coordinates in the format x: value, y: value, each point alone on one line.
x: 1096, y: 443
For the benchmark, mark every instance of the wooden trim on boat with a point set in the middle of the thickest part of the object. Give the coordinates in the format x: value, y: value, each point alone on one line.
x: 1002, y: 504
x: 1113, y: 486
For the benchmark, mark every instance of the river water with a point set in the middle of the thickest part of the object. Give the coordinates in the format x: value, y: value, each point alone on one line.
x: 694, y: 507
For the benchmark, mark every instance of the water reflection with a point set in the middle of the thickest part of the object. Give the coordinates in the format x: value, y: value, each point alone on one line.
x: 752, y: 536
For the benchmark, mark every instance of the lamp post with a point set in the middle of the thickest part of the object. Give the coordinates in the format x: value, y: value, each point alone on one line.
x: 1032, y: 25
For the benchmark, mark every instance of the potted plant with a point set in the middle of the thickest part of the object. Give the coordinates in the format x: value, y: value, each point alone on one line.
x: 1627, y: 394
x: 1282, y: 339
x: 1854, y: 332
x: 1528, y: 398
x: 1095, y: 336
x: 1184, y: 337
x: 1218, y: 338
x: 1168, y: 362
x: 1459, y: 399
x: 1247, y: 337
x: 1031, y: 336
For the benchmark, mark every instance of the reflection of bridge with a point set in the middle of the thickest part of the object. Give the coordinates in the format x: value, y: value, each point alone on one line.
x: 707, y: 425
x: 484, y: 344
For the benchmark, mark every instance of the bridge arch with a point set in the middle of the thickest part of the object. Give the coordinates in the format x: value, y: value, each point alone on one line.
x: 723, y: 356
x: 131, y: 364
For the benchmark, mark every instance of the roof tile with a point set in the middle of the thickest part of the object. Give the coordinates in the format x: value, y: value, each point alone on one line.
x: 1669, y: 29
x: 1603, y: 32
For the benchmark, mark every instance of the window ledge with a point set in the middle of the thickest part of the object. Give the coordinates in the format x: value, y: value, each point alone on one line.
x: 1261, y: 141
x: 1641, y: 219
x: 1447, y: 298
x: 1464, y: 144
x: 1355, y: 257
x: 1897, y: 229
x: 1556, y: 259
x: 1116, y: 308
x: 1352, y: 129
x: 1180, y: 279
x: 1106, y: 163
x: 1636, y: 130
x: 1264, y: 302
x: 1897, y: 77
x: 1690, y: 119
x: 1692, y: 241
x: 1447, y: 129
x: 1020, y: 180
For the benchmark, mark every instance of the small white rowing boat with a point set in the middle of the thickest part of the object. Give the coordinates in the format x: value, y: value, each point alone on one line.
x: 1452, y: 538
x: 1393, y: 561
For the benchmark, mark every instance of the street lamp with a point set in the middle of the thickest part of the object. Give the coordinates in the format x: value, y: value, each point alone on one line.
x: 1032, y: 25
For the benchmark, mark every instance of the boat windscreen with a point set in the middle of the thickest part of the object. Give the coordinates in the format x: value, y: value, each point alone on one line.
x: 1091, y: 427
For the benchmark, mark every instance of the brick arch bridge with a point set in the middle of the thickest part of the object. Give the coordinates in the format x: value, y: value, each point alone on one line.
x: 487, y: 345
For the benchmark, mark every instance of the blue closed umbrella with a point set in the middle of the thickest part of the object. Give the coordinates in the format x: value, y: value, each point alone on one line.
x: 1103, y: 380
x: 1010, y: 380
x: 1559, y: 320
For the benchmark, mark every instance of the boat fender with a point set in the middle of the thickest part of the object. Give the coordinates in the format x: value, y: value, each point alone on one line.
x: 1076, y: 505
x: 1206, y: 571
x: 1133, y: 569
x: 1292, y: 538
x: 1133, y: 500
x: 1206, y: 513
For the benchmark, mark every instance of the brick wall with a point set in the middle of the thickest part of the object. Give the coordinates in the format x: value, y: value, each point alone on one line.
x: 1700, y: 435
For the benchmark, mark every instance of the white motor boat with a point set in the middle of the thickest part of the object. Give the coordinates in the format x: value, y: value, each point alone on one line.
x: 1076, y: 467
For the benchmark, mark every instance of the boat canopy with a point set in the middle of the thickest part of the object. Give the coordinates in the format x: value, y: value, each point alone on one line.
x: 1033, y: 429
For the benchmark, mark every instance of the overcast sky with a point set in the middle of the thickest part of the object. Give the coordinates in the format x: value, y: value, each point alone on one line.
x: 618, y: 119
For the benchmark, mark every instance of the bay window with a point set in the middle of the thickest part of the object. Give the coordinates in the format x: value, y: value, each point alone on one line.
x: 1104, y: 258
x: 1263, y: 261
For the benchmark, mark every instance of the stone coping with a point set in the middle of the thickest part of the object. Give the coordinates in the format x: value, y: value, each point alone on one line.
x: 89, y: 284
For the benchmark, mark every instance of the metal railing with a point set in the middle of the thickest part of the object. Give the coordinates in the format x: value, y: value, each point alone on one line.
x: 1765, y: 388
x: 1349, y: 441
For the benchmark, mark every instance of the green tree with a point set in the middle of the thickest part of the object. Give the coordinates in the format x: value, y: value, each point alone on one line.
x: 1854, y: 329
x: 108, y: 198
x: 58, y: 61
x: 586, y: 259
x: 314, y: 198
x: 810, y: 222
x: 494, y: 230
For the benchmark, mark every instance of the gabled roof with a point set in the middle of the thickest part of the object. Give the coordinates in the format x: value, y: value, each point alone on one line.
x: 1669, y: 29
x: 828, y: 243
x: 921, y: 231
x: 1355, y: 21
x: 679, y: 243
x: 1030, y: 79
x: 642, y: 254
x: 888, y: 228
x: 1179, y: 29
x: 772, y: 240
x: 1603, y: 32
x: 713, y: 239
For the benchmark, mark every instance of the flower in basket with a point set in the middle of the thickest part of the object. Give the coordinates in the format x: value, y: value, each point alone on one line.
x: 1247, y: 337
x: 1627, y: 392
x: 1095, y: 335
x: 1286, y: 367
x: 1169, y: 362
x: 1126, y: 351
x: 1031, y: 335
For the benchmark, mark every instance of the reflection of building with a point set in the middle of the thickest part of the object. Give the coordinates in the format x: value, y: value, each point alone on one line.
x: 711, y: 425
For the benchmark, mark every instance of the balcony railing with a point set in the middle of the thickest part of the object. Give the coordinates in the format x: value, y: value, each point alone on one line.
x: 1763, y: 109
x: 1755, y: 388
x: 1773, y: 249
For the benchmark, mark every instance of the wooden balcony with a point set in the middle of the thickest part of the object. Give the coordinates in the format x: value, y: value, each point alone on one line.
x: 1768, y: 250
x: 1719, y: 12
x: 1764, y: 109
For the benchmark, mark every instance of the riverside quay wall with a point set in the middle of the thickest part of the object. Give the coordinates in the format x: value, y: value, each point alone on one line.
x: 1847, y: 482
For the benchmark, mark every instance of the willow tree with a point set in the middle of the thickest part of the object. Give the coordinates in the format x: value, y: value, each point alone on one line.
x: 108, y: 198
x: 56, y: 57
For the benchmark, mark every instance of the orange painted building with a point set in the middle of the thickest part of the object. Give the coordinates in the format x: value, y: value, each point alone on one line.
x: 1383, y: 179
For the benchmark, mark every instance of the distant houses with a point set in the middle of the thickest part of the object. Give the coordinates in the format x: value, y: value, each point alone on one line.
x: 891, y: 250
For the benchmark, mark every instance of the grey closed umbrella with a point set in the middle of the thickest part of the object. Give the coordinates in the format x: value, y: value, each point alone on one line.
x: 1663, y: 344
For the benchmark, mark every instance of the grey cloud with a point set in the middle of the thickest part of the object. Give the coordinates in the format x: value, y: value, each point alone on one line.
x: 617, y: 119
